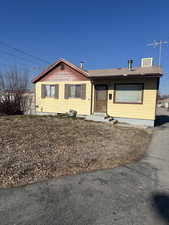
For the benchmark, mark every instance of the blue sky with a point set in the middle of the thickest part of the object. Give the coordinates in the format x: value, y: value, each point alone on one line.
x: 105, y: 34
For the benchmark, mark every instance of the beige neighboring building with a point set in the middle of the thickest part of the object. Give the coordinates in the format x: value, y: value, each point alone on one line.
x: 30, y: 99
x: 164, y: 103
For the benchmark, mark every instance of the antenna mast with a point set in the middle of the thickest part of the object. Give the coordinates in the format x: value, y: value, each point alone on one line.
x: 159, y: 44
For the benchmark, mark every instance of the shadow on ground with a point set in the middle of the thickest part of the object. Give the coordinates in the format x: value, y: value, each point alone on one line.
x: 161, y: 119
x: 160, y: 202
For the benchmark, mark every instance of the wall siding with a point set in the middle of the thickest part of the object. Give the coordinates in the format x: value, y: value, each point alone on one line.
x: 136, y: 111
x: 62, y: 105
x: 67, y: 74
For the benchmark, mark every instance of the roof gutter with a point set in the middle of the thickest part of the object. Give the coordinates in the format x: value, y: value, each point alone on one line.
x: 124, y: 76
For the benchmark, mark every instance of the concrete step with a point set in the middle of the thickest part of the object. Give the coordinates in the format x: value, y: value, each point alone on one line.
x: 100, y: 114
x: 97, y: 118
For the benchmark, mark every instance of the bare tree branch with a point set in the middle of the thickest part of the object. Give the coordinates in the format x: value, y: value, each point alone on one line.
x: 13, y: 89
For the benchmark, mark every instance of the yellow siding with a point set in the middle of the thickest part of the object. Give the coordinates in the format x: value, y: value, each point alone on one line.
x: 137, y: 111
x: 62, y: 105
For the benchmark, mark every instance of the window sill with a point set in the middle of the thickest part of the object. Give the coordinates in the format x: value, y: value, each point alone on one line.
x: 132, y: 103
x: 50, y: 97
x: 74, y: 98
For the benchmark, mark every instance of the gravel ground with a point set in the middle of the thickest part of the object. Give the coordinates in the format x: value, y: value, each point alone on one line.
x: 36, y: 148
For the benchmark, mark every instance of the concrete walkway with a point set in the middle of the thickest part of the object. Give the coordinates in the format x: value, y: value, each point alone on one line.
x: 158, y: 156
x: 135, y: 194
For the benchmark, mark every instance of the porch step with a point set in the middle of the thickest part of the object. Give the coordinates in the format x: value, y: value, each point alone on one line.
x: 100, y: 114
x: 98, y: 118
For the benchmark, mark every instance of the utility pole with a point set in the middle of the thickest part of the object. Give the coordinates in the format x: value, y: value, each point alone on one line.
x: 159, y: 44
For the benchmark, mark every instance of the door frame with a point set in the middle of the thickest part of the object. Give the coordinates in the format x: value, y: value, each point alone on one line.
x: 95, y: 97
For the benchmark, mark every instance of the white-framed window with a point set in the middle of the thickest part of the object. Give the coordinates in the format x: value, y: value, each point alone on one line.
x: 75, y: 91
x: 50, y: 90
x: 129, y: 93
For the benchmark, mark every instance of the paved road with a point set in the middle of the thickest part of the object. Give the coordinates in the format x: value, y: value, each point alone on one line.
x: 136, y: 194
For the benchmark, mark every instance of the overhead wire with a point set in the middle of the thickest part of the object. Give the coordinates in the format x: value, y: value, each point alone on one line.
x: 23, y: 52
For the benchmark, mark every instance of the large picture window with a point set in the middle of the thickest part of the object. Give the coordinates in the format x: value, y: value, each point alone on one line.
x: 129, y: 93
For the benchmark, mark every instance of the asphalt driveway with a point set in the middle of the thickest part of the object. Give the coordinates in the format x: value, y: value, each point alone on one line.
x: 135, y: 194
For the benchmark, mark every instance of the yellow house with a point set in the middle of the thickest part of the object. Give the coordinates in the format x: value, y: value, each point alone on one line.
x: 126, y: 94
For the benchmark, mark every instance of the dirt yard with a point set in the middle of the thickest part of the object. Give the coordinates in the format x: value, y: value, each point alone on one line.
x: 35, y: 148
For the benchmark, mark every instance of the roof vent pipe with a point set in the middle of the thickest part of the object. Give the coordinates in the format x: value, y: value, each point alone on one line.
x: 130, y: 64
x: 81, y: 65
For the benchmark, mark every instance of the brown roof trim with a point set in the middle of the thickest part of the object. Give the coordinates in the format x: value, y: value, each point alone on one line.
x: 52, y: 66
x: 124, y: 76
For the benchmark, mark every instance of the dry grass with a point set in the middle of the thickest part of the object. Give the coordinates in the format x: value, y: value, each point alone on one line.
x: 36, y: 148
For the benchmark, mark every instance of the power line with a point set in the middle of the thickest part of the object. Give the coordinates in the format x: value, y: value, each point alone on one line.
x: 13, y: 55
x: 23, y: 66
x: 10, y: 63
x: 33, y: 68
x: 158, y: 44
x: 23, y: 52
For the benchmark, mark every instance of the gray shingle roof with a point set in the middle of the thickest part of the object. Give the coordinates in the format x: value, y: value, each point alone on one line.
x: 153, y: 70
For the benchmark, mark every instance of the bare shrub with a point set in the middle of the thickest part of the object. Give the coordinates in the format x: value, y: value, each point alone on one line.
x: 13, y: 86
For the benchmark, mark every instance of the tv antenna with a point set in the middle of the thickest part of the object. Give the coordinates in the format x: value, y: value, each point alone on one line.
x: 159, y: 44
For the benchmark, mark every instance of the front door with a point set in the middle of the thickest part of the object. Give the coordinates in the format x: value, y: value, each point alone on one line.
x: 100, y: 98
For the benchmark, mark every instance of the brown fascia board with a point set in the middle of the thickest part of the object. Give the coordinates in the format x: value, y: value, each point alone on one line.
x: 125, y: 76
